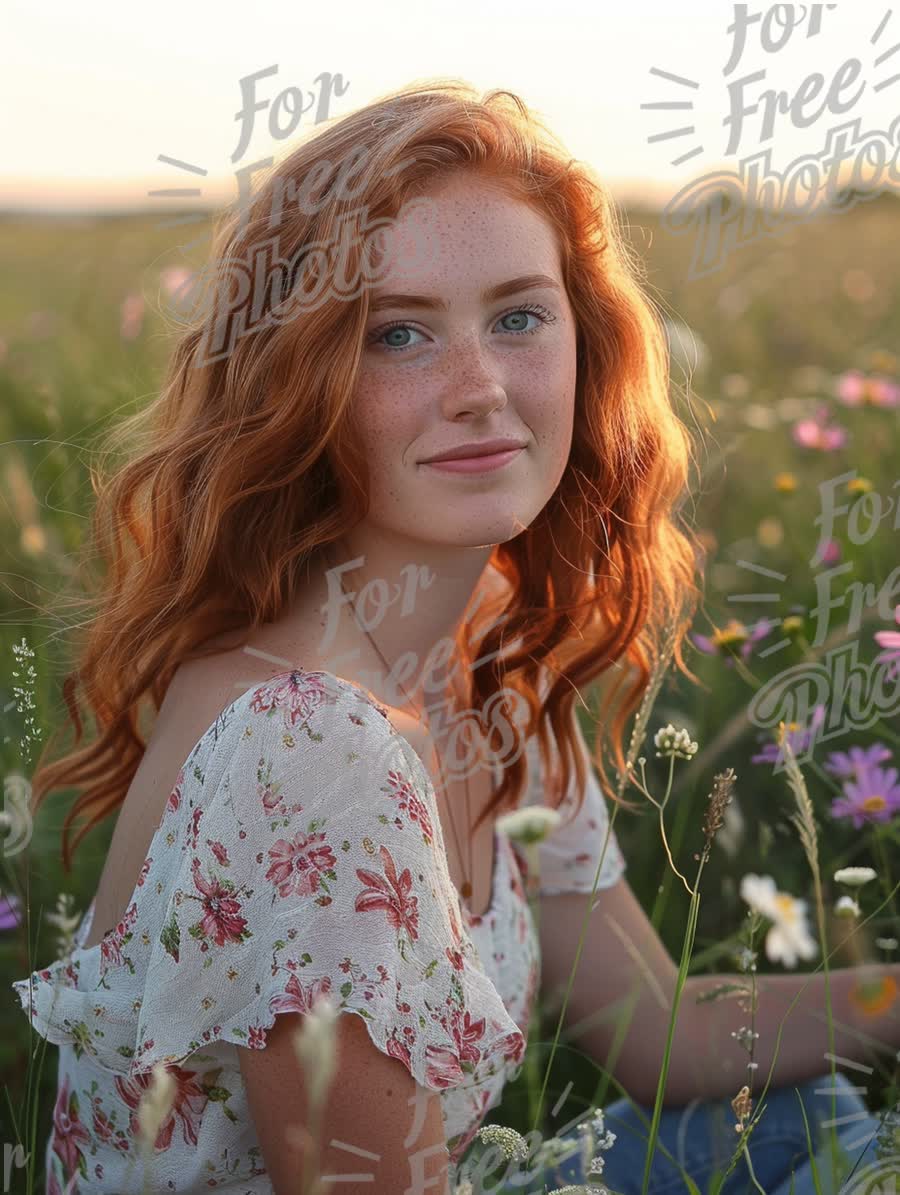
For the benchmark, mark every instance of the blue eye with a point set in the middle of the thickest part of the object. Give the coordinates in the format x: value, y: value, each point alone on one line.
x: 536, y: 309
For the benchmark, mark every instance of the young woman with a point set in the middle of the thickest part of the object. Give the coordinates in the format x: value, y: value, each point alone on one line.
x: 361, y: 654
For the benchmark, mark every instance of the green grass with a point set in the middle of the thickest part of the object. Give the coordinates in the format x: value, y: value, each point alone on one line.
x: 780, y: 320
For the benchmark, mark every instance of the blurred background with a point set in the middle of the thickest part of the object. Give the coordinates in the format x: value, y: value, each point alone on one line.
x: 123, y: 136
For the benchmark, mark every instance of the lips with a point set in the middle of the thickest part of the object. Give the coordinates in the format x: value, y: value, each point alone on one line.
x: 472, y: 451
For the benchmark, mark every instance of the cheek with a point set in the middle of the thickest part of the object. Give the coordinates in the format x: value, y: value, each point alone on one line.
x: 386, y: 418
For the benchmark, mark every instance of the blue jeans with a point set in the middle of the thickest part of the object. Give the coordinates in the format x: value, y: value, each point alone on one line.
x: 702, y: 1138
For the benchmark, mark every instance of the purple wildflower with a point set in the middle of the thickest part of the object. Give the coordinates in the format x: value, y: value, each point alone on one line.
x: 733, y: 638
x: 799, y: 738
x: 874, y: 797
x: 9, y: 912
x: 850, y: 765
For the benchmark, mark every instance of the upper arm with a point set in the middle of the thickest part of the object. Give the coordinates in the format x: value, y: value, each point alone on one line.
x: 623, y: 961
x: 404, y: 1143
x: 307, y: 861
x: 624, y: 982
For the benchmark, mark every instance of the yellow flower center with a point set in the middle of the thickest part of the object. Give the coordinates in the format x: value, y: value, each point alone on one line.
x: 786, y: 906
x: 733, y: 633
x: 874, y: 803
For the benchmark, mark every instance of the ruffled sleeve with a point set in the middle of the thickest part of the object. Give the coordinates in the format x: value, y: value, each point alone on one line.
x: 317, y: 868
x: 569, y: 856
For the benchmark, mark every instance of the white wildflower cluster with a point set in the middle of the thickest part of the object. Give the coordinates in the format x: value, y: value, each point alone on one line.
x: 745, y: 1037
x: 512, y: 1144
x: 887, y: 1139
x: 66, y: 922
x: 579, y: 1189
x: 886, y: 943
x: 854, y: 877
x: 676, y: 743
x: 594, y: 1136
x: 24, y: 693
x: 529, y: 825
x: 746, y: 959
x: 846, y: 906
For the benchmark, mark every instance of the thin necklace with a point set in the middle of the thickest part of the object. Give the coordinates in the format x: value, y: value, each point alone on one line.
x: 466, y: 890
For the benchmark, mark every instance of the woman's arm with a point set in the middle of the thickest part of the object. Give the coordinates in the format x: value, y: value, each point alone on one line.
x: 803, y: 1049
x: 377, y: 1123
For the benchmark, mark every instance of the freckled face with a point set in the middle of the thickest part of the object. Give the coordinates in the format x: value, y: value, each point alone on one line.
x: 432, y: 379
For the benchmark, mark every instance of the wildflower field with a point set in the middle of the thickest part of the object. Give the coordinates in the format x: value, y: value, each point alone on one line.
x: 767, y: 838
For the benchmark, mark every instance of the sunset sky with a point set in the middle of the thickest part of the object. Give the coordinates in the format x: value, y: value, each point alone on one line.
x: 95, y: 92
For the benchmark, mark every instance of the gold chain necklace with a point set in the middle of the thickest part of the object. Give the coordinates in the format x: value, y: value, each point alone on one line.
x: 466, y: 890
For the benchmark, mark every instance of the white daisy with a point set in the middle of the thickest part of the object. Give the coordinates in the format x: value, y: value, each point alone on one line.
x: 789, y: 936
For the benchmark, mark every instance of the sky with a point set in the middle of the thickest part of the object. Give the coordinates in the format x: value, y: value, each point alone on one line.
x: 94, y: 93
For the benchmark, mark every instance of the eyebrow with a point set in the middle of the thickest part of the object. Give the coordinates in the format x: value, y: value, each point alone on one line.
x: 500, y: 291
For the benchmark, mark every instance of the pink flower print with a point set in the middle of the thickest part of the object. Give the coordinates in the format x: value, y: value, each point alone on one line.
x: 175, y: 795
x: 271, y: 797
x: 390, y: 894
x: 102, y: 1125
x: 111, y: 946
x: 68, y: 1132
x: 298, y: 693
x: 396, y: 1049
x: 194, y: 832
x: 297, y: 998
x: 408, y: 799
x: 53, y: 1187
x: 456, y: 958
x: 219, y: 851
x: 442, y: 1067
x: 144, y: 870
x: 187, y: 1107
x: 220, y: 920
x: 298, y: 863
x: 256, y: 1037
x: 466, y: 1032
x: 513, y: 1046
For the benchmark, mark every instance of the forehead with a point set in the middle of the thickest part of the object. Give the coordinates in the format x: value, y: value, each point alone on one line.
x: 466, y: 233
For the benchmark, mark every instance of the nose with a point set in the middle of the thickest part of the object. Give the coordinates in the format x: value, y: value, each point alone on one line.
x: 474, y: 388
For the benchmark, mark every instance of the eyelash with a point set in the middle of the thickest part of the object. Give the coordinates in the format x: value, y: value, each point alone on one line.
x: 545, y: 316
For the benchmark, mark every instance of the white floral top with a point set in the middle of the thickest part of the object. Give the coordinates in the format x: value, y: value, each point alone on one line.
x: 299, y: 854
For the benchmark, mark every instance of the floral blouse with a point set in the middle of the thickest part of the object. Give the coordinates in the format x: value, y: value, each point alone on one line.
x: 300, y: 854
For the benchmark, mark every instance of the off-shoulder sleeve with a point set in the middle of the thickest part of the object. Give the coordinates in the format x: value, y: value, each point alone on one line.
x: 317, y: 868
x: 568, y: 857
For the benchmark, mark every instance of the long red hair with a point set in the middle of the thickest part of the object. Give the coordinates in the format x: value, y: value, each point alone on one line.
x: 248, y: 464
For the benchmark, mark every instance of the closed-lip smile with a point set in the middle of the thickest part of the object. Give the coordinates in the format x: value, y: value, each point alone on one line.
x: 474, y: 448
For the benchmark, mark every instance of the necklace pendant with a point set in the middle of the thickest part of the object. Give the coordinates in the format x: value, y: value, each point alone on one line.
x: 466, y: 890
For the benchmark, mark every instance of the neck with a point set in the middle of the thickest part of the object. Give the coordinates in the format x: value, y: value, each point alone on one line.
x: 412, y: 598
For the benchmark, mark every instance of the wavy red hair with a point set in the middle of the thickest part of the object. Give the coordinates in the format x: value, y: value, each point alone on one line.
x: 247, y: 463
